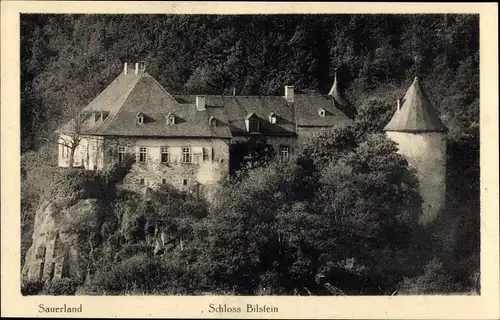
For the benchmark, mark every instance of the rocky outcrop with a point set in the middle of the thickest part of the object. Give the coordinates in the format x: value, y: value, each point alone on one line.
x: 62, y: 239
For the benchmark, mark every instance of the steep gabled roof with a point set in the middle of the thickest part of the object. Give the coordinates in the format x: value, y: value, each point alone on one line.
x: 416, y: 113
x: 130, y: 94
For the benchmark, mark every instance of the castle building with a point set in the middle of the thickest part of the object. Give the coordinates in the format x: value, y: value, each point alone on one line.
x: 421, y: 138
x: 184, y: 140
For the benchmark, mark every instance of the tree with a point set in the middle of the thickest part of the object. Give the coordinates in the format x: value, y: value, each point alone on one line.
x: 372, y: 117
x: 250, y: 153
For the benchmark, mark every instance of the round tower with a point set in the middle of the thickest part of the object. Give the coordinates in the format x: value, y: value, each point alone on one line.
x: 421, y: 138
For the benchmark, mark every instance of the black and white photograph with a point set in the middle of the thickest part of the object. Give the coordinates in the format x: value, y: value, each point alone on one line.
x: 298, y: 155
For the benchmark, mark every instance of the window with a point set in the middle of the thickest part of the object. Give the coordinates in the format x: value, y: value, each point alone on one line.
x: 272, y: 118
x: 165, y: 155
x: 184, y: 182
x: 142, y: 155
x: 206, y: 156
x: 122, y: 151
x: 253, y: 125
x: 142, y: 181
x: 186, y: 155
x: 163, y: 181
x: 284, y: 152
x: 212, y: 122
x: 140, y: 118
x: 170, y: 119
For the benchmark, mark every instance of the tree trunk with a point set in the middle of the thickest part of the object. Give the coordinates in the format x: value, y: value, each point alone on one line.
x: 71, y: 156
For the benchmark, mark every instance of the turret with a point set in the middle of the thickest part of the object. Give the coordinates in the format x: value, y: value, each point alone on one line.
x: 421, y: 138
x: 339, y: 99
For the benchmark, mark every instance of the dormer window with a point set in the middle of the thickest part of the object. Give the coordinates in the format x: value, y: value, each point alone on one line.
x: 322, y: 112
x: 170, y: 119
x: 252, y: 123
x: 140, y: 118
x: 97, y: 116
x: 212, y: 122
x: 272, y: 118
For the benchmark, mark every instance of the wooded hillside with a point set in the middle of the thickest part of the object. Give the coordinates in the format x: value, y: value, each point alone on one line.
x: 68, y: 59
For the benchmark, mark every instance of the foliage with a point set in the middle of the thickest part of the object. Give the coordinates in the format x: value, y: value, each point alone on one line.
x: 30, y: 288
x: 248, y: 154
x: 372, y: 117
x: 266, y: 234
x: 434, y: 280
x: 61, y: 287
x: 328, y: 144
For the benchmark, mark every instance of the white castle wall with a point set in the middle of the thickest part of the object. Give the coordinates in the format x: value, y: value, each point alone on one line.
x: 427, y: 153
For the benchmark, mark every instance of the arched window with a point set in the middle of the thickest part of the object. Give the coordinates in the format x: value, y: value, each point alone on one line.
x: 139, y: 118
x: 170, y: 119
x: 212, y: 122
x: 272, y: 118
x: 321, y: 112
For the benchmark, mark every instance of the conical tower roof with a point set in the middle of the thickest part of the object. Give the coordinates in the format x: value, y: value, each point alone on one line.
x: 337, y: 94
x: 416, y: 113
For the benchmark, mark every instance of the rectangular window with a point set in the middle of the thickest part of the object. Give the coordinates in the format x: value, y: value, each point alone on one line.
x: 186, y: 155
x: 253, y: 125
x: 142, y: 154
x: 163, y: 181
x: 206, y: 155
x: 184, y: 182
x: 142, y: 181
x: 165, y: 155
x: 122, y: 151
x: 284, y: 152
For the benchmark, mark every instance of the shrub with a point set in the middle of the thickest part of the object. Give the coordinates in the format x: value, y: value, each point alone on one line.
x: 138, y: 272
x: 31, y: 288
x: 61, y: 287
x: 434, y: 280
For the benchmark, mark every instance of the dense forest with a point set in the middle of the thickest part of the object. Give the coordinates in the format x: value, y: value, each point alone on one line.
x: 279, y: 237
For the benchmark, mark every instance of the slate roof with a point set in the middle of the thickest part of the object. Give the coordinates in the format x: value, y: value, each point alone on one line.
x: 130, y: 94
x: 416, y: 113
x: 307, y: 105
x: 307, y: 108
x: 239, y: 108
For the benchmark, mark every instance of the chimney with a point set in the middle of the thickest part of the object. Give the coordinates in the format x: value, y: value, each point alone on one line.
x: 289, y: 93
x: 125, y: 68
x: 200, y: 103
x: 140, y: 67
x: 399, y: 107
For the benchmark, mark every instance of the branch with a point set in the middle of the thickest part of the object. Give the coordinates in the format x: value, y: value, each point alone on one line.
x: 56, y: 142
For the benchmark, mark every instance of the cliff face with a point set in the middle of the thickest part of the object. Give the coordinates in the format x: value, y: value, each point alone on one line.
x: 62, y: 240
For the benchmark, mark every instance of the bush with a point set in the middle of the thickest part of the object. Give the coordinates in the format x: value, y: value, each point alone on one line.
x: 138, y: 272
x: 61, y: 287
x: 31, y: 288
x: 434, y: 280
